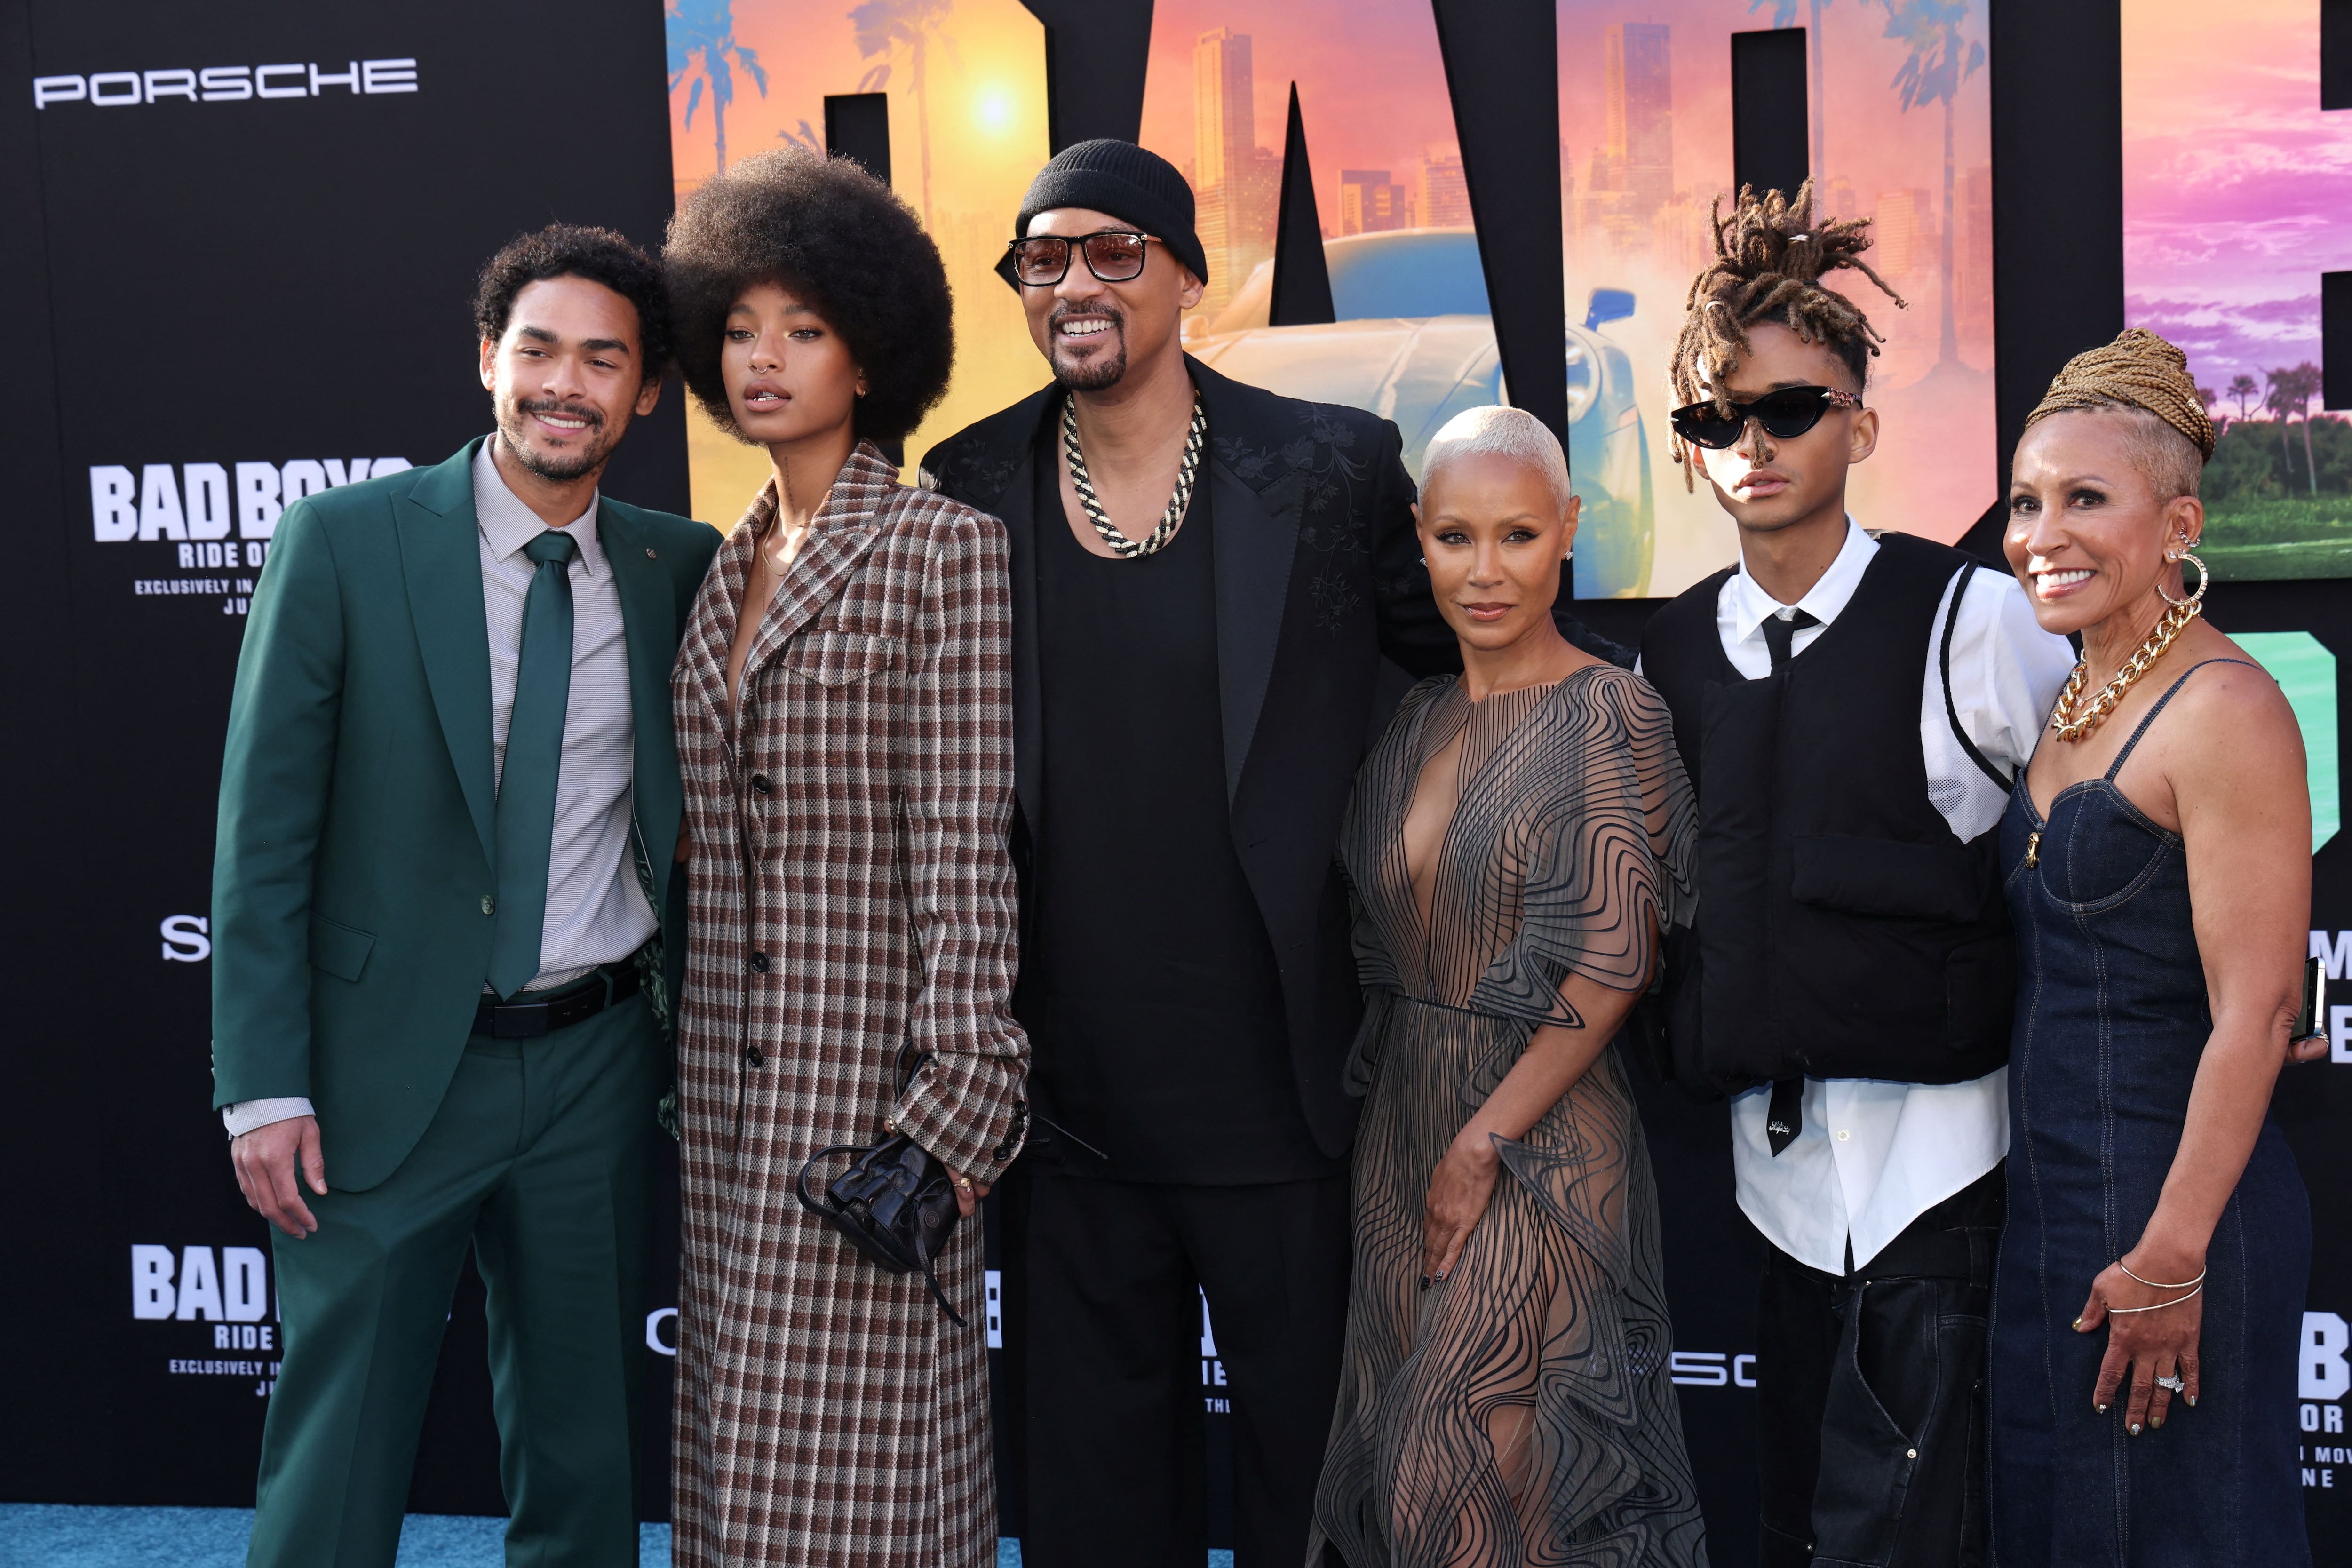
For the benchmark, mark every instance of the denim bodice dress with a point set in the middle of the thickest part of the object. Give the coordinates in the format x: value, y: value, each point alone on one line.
x: 2112, y: 1019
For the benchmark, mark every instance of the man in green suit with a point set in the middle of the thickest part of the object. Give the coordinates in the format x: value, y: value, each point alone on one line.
x: 448, y: 919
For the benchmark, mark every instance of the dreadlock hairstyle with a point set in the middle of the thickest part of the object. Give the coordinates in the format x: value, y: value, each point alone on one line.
x: 1769, y: 259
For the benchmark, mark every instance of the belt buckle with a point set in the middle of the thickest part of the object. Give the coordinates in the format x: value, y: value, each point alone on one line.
x: 522, y: 1020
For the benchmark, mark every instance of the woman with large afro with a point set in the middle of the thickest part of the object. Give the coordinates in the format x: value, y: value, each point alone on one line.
x: 843, y: 708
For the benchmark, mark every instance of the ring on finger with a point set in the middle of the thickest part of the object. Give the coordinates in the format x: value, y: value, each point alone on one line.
x: 2176, y: 1383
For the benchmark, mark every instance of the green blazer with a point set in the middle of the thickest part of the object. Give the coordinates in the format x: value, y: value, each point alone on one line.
x: 352, y: 874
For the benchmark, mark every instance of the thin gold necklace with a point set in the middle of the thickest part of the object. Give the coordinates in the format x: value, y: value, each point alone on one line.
x: 2068, y: 723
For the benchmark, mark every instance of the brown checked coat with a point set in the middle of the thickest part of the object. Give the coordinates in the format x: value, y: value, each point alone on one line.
x: 851, y: 905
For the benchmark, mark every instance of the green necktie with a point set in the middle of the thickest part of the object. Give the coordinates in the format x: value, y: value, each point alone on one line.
x: 526, y: 823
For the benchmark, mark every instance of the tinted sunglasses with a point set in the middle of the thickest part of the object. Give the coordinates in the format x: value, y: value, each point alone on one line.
x: 1784, y: 415
x: 1115, y: 255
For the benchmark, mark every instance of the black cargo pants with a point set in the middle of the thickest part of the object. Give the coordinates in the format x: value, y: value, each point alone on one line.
x: 1872, y: 1396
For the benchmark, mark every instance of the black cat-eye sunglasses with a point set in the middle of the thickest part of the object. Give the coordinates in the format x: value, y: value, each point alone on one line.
x: 1785, y: 414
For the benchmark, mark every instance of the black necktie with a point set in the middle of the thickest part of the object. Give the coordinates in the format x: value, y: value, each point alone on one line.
x: 1786, y: 1118
x: 1780, y: 632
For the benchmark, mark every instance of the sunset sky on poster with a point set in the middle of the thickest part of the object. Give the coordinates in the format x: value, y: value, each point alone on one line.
x: 984, y: 91
x: 1371, y: 86
x: 2236, y: 184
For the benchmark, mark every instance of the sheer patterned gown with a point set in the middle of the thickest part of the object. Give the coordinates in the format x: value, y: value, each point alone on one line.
x: 1521, y: 1412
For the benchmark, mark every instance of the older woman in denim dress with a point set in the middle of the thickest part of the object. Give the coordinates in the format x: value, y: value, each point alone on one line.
x: 2150, y: 1287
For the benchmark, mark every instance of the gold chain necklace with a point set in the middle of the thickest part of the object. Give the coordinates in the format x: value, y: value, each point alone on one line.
x: 2091, y: 713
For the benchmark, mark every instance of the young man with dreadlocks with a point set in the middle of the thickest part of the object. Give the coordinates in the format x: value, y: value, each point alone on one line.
x: 1851, y: 708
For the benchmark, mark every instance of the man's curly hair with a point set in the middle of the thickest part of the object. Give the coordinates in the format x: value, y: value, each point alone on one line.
x: 1769, y: 258
x: 837, y: 237
x: 570, y: 250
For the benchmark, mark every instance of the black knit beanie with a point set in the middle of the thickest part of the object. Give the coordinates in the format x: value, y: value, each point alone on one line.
x: 1123, y: 180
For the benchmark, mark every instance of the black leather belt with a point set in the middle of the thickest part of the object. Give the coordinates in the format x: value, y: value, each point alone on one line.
x: 559, y: 1008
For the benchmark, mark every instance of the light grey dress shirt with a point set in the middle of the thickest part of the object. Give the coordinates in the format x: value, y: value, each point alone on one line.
x: 596, y: 911
x: 1872, y: 1155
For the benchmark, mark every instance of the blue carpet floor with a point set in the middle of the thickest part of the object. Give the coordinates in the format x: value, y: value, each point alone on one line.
x: 53, y: 1535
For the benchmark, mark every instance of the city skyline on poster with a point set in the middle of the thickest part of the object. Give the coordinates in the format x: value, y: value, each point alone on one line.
x: 2236, y: 184
x: 1900, y: 109
x: 1414, y: 337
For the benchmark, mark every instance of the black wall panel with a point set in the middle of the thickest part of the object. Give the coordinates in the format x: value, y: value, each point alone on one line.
x: 278, y: 273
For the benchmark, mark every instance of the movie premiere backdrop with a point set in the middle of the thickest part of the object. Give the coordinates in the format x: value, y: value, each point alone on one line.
x: 235, y: 258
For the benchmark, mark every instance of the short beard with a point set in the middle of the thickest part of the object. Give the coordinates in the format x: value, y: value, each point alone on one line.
x: 555, y: 470
x: 1096, y: 376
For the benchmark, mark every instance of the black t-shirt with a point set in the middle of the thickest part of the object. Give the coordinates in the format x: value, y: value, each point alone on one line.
x: 1158, y: 1012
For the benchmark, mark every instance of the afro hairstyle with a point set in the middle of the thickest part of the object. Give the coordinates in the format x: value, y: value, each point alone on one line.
x: 569, y: 250
x: 838, y: 238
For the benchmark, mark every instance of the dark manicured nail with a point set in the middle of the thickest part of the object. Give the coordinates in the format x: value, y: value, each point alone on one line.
x: 2098, y: 1409
x: 1424, y: 1281
x: 2153, y: 1422
x: 2192, y: 1401
x: 2135, y: 1428
x: 2078, y: 1324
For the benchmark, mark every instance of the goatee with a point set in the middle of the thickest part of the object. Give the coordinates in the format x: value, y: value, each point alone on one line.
x: 1094, y: 376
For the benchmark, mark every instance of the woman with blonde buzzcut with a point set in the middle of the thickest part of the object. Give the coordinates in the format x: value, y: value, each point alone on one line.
x: 1518, y: 841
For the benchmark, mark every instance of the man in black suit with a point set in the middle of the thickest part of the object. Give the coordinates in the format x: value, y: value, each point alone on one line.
x: 1205, y: 577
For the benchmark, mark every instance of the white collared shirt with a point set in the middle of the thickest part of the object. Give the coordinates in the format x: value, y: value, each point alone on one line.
x: 596, y: 912
x: 1875, y: 1155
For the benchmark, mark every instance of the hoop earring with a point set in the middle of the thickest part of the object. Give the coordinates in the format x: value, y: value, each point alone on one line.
x: 2204, y: 581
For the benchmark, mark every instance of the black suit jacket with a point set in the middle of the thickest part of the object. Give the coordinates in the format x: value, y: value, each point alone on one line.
x: 1319, y: 576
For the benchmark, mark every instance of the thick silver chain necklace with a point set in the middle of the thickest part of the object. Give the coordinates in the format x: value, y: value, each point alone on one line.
x: 1120, y: 544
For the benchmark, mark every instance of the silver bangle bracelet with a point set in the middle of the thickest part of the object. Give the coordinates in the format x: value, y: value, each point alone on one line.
x: 2158, y: 1306
x: 2152, y: 1285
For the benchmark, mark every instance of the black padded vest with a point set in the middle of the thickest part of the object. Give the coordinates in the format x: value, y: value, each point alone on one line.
x: 1844, y: 931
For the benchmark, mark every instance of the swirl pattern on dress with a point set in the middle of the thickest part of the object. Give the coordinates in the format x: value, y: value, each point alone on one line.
x: 1523, y: 1411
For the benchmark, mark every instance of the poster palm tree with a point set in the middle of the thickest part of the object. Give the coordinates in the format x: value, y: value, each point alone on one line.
x: 703, y: 48
x: 2243, y: 391
x: 2291, y: 393
x: 885, y: 26
x: 1941, y: 56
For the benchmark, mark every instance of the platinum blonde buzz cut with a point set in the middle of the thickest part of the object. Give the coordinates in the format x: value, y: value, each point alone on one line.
x: 1496, y: 431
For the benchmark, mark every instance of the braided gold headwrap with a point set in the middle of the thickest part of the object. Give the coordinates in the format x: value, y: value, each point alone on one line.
x: 2139, y: 369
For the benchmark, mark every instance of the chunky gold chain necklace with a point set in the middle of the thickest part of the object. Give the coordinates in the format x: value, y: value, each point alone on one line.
x: 1120, y: 544
x: 2091, y: 713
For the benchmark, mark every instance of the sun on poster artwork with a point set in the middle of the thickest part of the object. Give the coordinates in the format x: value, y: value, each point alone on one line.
x: 966, y: 83
x: 2237, y: 188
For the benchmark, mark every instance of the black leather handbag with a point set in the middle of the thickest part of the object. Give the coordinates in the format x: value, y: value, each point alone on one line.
x: 895, y: 1203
